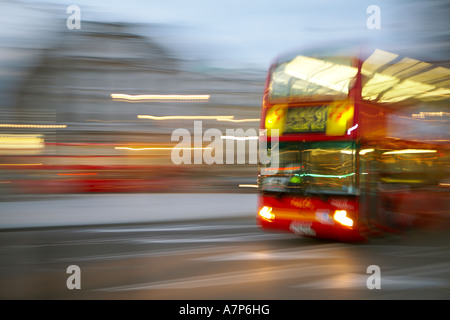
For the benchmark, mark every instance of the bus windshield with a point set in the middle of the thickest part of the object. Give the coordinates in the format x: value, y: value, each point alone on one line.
x: 326, y: 167
x: 311, y: 79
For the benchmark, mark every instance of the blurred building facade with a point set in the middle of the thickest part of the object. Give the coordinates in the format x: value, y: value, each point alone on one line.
x: 66, y: 98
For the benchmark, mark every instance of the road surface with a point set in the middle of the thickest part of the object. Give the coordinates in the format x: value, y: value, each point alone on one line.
x: 218, y: 259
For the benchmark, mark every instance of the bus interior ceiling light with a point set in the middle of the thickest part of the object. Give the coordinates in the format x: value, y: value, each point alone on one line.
x: 324, y: 73
x: 376, y: 60
x: 393, y: 82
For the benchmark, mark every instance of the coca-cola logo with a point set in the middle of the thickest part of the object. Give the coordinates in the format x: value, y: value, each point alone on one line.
x: 302, y: 203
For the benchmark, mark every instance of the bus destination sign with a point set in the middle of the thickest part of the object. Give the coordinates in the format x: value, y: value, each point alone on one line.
x: 306, y: 119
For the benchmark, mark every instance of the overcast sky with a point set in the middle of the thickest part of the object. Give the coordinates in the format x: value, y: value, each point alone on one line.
x: 252, y: 32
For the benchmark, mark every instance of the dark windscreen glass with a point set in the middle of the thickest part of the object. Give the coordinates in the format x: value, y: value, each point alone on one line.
x: 312, y: 167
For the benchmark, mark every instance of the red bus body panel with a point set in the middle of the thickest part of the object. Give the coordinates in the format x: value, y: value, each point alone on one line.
x: 311, y: 216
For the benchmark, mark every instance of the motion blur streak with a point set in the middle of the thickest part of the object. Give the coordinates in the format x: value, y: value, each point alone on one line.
x: 162, y: 148
x: 33, y: 126
x: 239, y: 120
x: 78, y: 174
x: 21, y: 164
x: 155, y: 97
x: 410, y: 151
x: 184, y: 117
x: 239, y: 138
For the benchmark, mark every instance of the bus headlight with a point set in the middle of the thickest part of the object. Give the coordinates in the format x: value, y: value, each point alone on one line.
x: 341, y: 217
x: 266, y: 213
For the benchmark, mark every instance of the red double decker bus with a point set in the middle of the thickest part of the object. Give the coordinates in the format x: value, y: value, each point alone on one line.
x: 361, y: 143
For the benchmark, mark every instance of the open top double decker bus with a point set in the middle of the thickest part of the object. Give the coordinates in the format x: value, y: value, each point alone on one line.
x: 361, y: 142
